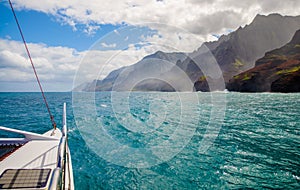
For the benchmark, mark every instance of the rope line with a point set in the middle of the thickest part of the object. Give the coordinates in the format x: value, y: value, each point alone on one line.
x: 33, y: 67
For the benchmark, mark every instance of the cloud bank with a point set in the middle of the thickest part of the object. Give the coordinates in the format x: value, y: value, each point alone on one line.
x: 200, y: 17
x: 57, y: 66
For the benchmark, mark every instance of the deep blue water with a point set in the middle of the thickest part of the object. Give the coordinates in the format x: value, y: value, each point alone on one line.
x: 257, y: 145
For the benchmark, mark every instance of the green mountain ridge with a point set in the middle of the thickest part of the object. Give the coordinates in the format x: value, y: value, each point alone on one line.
x: 245, y: 45
x: 277, y: 71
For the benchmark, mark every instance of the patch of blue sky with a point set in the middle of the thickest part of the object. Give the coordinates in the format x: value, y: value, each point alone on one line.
x: 38, y: 27
x: 42, y: 28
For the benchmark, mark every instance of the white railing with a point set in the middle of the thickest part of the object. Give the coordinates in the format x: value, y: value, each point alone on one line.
x: 59, y: 175
x: 28, y: 135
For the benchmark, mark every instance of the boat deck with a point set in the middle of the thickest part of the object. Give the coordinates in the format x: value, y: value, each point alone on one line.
x: 31, y: 164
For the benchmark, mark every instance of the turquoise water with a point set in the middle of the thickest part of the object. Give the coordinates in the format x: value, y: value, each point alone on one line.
x: 257, y: 146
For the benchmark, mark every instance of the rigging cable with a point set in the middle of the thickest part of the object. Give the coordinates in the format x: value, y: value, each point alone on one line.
x: 35, y: 73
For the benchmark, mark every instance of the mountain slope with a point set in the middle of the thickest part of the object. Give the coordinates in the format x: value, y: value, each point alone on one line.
x: 243, y: 47
x: 133, y: 77
x: 277, y: 71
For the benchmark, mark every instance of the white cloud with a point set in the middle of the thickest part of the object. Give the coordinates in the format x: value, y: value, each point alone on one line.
x: 115, y: 31
x: 53, y: 64
x: 91, y: 29
x: 201, y: 17
x: 57, y: 66
x: 105, y: 45
x: 12, y: 59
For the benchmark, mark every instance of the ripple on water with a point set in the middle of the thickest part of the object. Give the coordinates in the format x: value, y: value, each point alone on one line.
x: 257, y: 147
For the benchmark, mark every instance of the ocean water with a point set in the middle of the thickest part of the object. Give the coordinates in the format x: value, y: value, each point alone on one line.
x: 171, y: 140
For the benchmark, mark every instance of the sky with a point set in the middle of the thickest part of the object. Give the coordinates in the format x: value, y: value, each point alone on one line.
x: 67, y: 37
